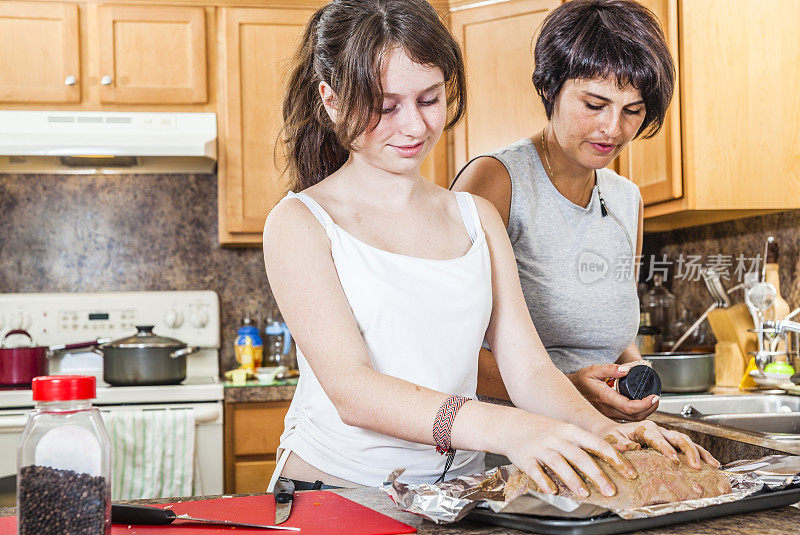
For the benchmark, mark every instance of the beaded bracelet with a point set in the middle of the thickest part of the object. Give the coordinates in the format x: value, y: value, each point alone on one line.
x: 442, y: 429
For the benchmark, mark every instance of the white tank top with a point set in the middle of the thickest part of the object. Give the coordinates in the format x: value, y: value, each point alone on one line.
x: 422, y: 321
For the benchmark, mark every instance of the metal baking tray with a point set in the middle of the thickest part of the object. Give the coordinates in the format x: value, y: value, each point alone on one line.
x: 611, y: 523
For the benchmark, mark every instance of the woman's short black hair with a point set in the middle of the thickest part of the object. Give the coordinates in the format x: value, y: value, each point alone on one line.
x: 586, y: 39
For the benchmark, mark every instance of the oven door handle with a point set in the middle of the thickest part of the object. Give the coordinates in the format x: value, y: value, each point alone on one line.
x: 206, y: 414
x: 12, y: 423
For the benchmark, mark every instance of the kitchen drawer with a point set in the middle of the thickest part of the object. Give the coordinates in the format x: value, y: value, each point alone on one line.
x: 253, y: 476
x: 257, y: 427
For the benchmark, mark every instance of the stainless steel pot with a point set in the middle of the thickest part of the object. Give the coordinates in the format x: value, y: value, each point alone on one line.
x: 145, y: 359
x: 683, y: 372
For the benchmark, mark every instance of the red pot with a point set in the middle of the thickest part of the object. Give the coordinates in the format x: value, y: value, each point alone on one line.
x: 19, y: 365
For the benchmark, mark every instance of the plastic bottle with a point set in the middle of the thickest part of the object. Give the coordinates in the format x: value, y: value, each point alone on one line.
x: 780, y: 308
x: 278, y: 340
x: 248, y: 346
x: 64, y: 461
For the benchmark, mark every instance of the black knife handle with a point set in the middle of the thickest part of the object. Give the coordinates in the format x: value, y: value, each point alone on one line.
x: 284, y: 490
x: 141, y: 515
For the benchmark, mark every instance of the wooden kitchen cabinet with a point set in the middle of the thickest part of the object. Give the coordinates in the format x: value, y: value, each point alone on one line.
x: 40, y: 59
x: 497, y: 41
x: 152, y: 54
x: 257, y: 45
x: 252, y: 436
x: 655, y: 164
x: 728, y: 147
x: 737, y: 138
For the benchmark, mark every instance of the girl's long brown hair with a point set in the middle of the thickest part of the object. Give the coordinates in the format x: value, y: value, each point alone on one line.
x: 343, y: 45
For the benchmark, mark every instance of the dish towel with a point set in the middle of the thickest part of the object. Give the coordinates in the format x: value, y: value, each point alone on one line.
x: 152, y: 452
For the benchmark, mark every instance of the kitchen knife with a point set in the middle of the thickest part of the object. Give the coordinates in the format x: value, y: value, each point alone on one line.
x: 142, y: 515
x: 284, y: 496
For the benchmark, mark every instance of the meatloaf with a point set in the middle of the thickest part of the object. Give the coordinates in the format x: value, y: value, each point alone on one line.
x: 660, y: 480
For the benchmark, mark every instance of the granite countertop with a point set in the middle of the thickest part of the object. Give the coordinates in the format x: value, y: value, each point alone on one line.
x: 774, y: 521
x: 254, y: 391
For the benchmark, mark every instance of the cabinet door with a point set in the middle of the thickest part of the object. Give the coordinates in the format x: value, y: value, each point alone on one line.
x: 655, y: 164
x: 497, y: 40
x: 258, y: 427
x: 741, y: 64
x: 257, y: 44
x: 40, y: 59
x: 152, y: 54
x: 253, y: 476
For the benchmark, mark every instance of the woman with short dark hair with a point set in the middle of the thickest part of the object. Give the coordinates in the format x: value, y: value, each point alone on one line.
x: 605, y: 76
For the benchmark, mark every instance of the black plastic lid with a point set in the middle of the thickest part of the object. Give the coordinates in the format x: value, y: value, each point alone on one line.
x: 641, y: 381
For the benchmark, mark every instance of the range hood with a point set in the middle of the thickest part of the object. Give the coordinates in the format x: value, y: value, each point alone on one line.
x: 89, y: 142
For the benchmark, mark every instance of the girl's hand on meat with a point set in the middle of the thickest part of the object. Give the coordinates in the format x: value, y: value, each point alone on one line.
x: 635, y: 435
x: 564, y: 448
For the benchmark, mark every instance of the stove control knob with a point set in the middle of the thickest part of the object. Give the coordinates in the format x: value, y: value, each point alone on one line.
x: 199, y: 318
x: 2, y: 321
x: 173, y: 318
x: 20, y: 321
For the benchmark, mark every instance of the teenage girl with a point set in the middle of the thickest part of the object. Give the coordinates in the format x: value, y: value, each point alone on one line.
x: 389, y: 283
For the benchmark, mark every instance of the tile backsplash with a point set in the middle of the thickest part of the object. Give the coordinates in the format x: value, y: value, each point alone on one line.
x: 75, y: 233
x: 730, y: 239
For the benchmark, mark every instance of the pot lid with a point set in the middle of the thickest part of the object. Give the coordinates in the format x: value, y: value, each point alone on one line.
x: 145, y: 337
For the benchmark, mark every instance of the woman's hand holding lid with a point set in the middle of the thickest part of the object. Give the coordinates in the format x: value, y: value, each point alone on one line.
x: 591, y: 383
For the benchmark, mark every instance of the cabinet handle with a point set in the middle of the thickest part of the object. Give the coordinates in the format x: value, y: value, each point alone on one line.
x: 105, y: 80
x: 70, y: 80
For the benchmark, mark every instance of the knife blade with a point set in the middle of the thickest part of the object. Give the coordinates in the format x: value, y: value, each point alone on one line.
x: 142, y: 515
x: 284, y: 496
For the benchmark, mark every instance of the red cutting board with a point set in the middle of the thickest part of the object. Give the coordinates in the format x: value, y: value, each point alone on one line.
x: 315, y: 512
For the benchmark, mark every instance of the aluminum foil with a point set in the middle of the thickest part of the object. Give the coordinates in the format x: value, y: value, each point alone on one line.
x: 452, y: 500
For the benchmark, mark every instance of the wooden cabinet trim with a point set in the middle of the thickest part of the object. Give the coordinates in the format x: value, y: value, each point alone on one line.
x: 440, y: 5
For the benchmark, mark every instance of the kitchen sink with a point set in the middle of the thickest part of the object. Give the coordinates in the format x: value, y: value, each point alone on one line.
x: 776, y: 417
x: 786, y: 425
x: 737, y: 404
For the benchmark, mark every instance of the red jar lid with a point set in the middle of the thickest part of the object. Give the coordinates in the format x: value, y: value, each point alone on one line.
x: 63, y: 387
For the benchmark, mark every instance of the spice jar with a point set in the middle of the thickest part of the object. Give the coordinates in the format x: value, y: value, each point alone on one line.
x: 64, y: 461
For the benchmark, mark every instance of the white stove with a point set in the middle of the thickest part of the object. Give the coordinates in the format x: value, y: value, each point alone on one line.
x: 193, y: 389
x: 65, y: 318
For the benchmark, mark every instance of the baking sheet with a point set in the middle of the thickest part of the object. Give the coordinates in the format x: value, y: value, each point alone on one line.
x: 611, y: 523
x: 454, y: 499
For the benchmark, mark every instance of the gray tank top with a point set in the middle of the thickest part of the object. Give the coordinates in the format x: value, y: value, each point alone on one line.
x: 576, y: 266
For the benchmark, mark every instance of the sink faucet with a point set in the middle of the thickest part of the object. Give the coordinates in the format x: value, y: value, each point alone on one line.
x: 781, y: 327
x: 777, y: 329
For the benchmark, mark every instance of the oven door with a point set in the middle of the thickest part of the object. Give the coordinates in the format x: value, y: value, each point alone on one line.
x: 208, y: 458
x: 208, y: 450
x: 12, y: 421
